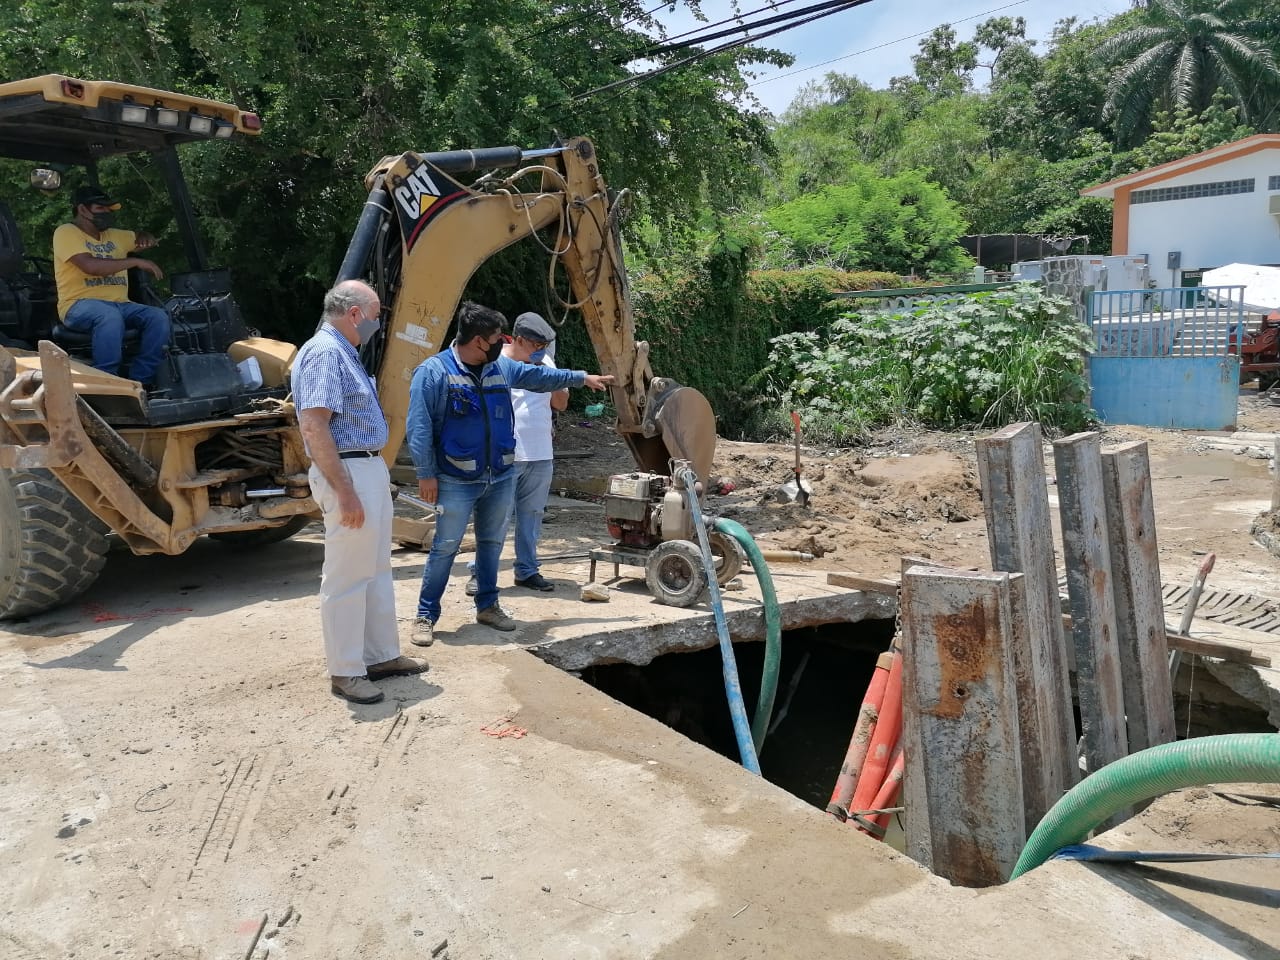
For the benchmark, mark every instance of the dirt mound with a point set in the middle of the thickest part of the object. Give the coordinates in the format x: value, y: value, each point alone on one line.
x: 869, y: 506
x: 860, y: 505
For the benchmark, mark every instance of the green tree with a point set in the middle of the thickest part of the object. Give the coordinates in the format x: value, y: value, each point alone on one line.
x: 903, y: 224
x: 340, y: 83
x: 943, y: 68
x: 1181, y: 133
x: 830, y: 128
x: 1178, y: 53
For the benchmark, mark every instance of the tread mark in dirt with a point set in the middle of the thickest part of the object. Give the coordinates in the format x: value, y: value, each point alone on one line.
x: 394, y: 733
x: 339, y: 793
x: 228, y: 815
x: 382, y: 750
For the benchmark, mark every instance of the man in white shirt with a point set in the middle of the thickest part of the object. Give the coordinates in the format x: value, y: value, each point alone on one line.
x: 532, y: 341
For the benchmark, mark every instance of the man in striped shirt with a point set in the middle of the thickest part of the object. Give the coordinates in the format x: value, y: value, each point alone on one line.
x: 344, y: 432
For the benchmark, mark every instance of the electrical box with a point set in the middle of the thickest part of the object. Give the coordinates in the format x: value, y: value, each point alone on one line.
x: 1174, y: 261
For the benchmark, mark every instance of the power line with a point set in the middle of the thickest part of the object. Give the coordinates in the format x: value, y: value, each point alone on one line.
x: 587, y: 15
x: 640, y: 78
x: 735, y: 18
x: 740, y: 28
x: 881, y: 46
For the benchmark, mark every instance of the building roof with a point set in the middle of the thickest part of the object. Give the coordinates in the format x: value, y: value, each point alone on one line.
x: 1197, y: 161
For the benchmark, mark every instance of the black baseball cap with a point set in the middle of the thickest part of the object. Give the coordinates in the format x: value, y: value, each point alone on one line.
x: 532, y: 327
x: 89, y: 196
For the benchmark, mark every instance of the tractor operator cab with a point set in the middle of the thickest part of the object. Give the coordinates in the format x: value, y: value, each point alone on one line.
x: 212, y: 366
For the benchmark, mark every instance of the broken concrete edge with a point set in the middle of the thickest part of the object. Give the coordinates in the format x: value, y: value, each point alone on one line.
x: 1258, y: 685
x: 1264, y: 535
x: 639, y: 645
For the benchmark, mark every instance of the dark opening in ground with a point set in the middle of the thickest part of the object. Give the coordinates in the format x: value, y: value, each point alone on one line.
x: 830, y: 665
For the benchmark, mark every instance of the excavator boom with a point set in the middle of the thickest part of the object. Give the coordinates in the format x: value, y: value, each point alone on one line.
x: 423, y: 234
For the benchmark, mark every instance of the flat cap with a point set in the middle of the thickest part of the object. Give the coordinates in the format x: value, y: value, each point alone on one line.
x: 532, y: 327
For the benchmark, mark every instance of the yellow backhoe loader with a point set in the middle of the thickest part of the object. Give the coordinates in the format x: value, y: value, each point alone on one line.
x: 215, y: 452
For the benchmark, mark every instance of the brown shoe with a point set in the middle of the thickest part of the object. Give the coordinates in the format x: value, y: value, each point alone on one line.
x: 423, y: 633
x: 497, y: 618
x: 399, y: 667
x: 355, y: 689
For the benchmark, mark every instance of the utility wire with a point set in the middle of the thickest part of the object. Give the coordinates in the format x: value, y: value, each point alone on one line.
x: 736, y: 18
x: 640, y: 78
x: 740, y: 28
x: 881, y: 46
x: 587, y: 15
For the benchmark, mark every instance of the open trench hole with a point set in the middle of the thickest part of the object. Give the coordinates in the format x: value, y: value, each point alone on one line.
x: 829, y: 667
x: 824, y: 673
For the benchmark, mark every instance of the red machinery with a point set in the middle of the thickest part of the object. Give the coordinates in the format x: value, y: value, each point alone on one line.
x: 1259, y: 352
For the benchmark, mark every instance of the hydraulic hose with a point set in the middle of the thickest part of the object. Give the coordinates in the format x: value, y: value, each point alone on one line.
x: 728, y: 662
x: 1232, y: 758
x: 772, y: 629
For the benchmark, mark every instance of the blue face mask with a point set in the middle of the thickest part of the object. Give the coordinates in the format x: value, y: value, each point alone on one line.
x: 537, y: 355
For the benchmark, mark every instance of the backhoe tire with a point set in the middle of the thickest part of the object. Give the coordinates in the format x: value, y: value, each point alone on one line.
x: 250, y: 539
x: 51, y: 547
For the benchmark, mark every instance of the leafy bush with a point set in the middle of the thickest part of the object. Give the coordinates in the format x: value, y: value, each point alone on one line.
x: 711, y: 327
x: 902, y: 223
x: 990, y: 358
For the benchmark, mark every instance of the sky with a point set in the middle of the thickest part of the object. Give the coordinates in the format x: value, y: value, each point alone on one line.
x: 877, y: 40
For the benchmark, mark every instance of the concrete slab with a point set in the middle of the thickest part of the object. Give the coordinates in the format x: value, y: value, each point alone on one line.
x: 176, y: 771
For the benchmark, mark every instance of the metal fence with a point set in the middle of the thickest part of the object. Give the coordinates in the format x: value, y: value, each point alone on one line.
x: 907, y: 299
x: 1166, y: 322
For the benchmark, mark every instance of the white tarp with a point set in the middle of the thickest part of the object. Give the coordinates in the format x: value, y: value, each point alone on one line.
x: 1261, y: 284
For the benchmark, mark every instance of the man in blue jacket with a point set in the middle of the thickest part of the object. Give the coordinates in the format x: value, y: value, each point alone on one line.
x: 461, y: 432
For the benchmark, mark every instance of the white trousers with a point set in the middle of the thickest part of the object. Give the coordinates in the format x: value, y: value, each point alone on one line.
x: 357, y: 593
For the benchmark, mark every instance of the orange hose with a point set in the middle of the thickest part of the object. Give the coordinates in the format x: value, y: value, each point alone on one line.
x: 888, y: 794
x: 859, y: 743
x: 888, y: 730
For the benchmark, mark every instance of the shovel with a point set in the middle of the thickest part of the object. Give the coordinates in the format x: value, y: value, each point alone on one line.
x: 797, y: 489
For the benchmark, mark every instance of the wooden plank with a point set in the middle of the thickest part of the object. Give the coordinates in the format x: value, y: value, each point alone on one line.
x: 866, y: 584
x: 1139, y: 601
x: 1275, y: 476
x: 1037, y: 795
x: 965, y: 818
x: 1209, y: 646
x: 1020, y: 532
x: 1230, y: 652
x: 1085, y: 547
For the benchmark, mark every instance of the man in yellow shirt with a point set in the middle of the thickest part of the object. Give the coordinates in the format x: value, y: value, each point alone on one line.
x: 90, y: 263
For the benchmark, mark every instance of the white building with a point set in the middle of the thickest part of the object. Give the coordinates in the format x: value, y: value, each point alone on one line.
x: 1212, y: 208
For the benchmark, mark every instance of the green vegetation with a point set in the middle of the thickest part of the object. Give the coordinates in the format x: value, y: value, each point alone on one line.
x: 902, y: 224
x: 996, y: 358
x: 741, y: 223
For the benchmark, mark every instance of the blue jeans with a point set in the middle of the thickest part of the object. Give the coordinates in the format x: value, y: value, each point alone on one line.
x: 491, y: 502
x: 533, y: 485
x: 107, y: 322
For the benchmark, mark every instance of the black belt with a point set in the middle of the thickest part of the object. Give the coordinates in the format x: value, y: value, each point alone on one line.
x: 353, y: 454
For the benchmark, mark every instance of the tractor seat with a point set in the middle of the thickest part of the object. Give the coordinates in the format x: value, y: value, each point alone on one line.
x: 74, y: 339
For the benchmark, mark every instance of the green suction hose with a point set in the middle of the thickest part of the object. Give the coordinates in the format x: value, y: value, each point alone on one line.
x: 772, y: 628
x: 1233, y: 758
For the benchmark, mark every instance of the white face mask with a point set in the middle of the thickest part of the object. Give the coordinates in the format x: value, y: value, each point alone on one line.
x: 366, y: 327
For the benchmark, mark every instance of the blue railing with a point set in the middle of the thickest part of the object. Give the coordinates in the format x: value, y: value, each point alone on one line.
x: 1166, y: 322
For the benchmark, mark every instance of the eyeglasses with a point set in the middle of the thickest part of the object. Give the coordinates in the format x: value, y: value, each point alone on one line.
x: 538, y: 345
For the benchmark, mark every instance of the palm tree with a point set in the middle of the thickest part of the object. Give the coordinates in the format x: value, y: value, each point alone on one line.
x: 1178, y: 53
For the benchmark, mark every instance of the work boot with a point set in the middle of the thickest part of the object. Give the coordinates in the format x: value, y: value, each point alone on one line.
x: 423, y: 633
x: 536, y: 582
x: 497, y: 618
x: 399, y: 667
x: 355, y: 689
x: 473, y: 587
